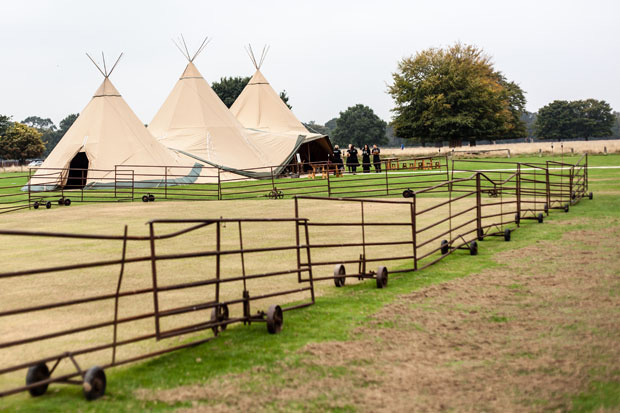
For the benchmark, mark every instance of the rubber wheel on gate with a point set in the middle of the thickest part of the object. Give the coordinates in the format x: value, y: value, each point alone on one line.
x: 540, y: 218
x: 219, y: 313
x: 36, y: 373
x: 339, y: 275
x: 407, y: 193
x: 382, y: 277
x: 517, y: 218
x: 67, y: 202
x: 473, y: 248
x: 48, y: 204
x: 275, y: 319
x: 480, y: 234
x: 35, y: 205
x: 566, y: 208
x: 507, y: 234
x: 94, y: 383
x: 546, y: 208
x: 61, y: 201
x: 151, y: 198
x: 591, y: 195
x: 145, y: 198
x: 444, y: 247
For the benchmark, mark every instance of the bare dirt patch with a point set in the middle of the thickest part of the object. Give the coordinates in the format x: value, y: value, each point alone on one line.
x: 521, y: 337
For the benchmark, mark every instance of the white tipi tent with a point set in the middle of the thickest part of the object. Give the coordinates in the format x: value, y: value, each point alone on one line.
x: 195, y: 122
x: 107, y: 133
x: 260, y: 107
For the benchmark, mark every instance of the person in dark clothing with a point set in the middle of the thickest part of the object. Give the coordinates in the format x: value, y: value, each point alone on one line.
x: 352, y: 161
x: 338, y: 157
x: 366, y: 159
x: 376, y: 160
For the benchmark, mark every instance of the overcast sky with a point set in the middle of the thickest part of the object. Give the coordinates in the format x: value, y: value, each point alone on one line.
x: 328, y: 55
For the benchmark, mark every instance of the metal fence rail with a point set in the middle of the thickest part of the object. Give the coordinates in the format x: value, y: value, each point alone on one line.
x: 114, y: 326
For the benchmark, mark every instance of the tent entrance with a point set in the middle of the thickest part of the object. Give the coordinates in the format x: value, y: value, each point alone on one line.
x: 78, y: 171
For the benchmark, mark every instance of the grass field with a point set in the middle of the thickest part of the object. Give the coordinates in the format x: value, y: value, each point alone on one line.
x: 246, y: 363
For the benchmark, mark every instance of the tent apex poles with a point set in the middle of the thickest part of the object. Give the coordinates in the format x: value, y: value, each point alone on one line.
x: 105, y: 71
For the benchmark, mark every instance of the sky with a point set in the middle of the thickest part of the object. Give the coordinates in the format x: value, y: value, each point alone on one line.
x: 327, y: 55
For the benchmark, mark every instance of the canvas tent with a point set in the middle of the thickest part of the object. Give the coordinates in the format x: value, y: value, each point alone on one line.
x: 259, y: 107
x: 107, y: 133
x: 194, y: 122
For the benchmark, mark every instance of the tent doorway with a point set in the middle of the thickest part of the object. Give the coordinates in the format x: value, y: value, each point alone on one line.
x: 78, y: 171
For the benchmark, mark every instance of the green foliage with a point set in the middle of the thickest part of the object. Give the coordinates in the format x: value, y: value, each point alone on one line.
x: 331, y: 124
x: 312, y: 126
x: 39, y: 123
x: 529, y: 118
x: 21, y: 142
x: 5, y: 122
x: 52, y: 139
x: 454, y: 94
x: 615, y: 129
x: 562, y: 119
x: 359, y: 125
x: 284, y: 98
x: 229, y: 88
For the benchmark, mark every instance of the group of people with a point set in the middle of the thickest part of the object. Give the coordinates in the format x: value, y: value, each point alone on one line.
x: 353, y: 161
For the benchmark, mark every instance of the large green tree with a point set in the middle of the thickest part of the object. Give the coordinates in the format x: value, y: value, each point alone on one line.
x: 562, y: 119
x: 359, y: 125
x: 454, y: 94
x: 21, y: 142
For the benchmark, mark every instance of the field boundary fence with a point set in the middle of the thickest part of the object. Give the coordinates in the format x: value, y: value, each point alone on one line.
x: 162, y: 281
x: 44, y: 188
x: 428, y: 226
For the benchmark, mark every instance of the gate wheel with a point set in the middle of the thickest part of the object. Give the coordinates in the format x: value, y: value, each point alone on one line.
x: 517, y: 218
x: 407, y: 193
x: 473, y: 248
x: 540, y: 218
x: 382, y: 277
x: 37, y: 373
x: 591, y: 195
x: 480, y: 234
x: 35, y: 205
x: 275, y: 319
x: 339, y: 275
x: 48, y: 204
x: 444, y: 247
x: 94, y: 383
x: 145, y: 198
x: 61, y: 201
x: 218, y: 314
x: 151, y: 198
x: 507, y: 234
x: 566, y: 208
x: 546, y: 208
x: 67, y: 202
